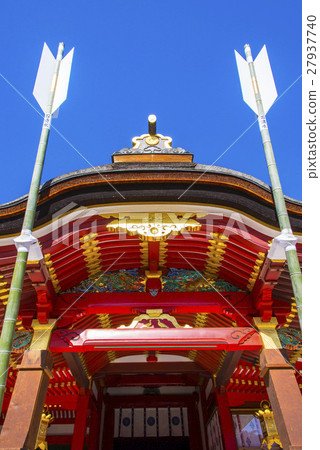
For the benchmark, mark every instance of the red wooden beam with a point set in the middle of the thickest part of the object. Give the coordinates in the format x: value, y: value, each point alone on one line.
x: 128, y: 303
x: 151, y: 401
x: 67, y: 401
x: 159, y: 368
x: 64, y: 340
x: 152, y: 380
x: 235, y: 305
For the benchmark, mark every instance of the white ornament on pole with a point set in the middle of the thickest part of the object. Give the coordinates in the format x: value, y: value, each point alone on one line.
x: 44, y: 77
x: 26, y: 242
x: 63, y: 81
x: 265, y: 79
x: 280, y: 244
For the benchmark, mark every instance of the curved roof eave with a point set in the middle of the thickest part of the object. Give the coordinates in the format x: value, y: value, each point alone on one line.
x: 150, y: 167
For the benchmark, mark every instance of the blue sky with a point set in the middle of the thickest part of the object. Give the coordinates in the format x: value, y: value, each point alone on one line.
x: 171, y: 58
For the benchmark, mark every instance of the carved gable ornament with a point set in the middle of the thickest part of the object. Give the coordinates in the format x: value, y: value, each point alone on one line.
x: 154, y: 226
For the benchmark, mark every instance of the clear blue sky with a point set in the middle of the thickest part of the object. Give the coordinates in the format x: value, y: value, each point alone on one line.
x: 172, y: 58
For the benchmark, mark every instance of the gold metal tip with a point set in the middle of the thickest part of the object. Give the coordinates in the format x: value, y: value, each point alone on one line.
x: 152, y: 118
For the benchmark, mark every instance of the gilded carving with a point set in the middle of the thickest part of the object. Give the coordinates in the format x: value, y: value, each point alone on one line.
x: 154, y: 226
x: 154, y: 318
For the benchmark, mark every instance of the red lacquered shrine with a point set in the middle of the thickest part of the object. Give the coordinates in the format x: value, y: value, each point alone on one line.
x: 156, y: 319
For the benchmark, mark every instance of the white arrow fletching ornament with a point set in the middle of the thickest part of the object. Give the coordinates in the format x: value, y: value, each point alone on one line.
x: 44, y: 78
x: 43, y: 82
x: 265, y: 80
x: 63, y: 81
x: 246, y: 83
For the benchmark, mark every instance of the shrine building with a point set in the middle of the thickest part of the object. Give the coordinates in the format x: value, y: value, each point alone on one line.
x: 156, y: 318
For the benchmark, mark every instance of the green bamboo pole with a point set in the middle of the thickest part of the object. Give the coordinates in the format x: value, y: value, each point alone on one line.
x: 282, y: 214
x: 25, y: 239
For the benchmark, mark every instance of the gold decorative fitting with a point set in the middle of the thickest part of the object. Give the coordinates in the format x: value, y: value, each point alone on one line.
x: 152, y: 140
x: 84, y: 364
x: 144, y: 254
x: 200, y: 320
x: 19, y: 325
x: 255, y: 272
x: 221, y: 361
x: 137, y: 140
x: 295, y: 356
x: 104, y: 320
x: 42, y: 334
x: 91, y: 253
x: 4, y: 291
x: 292, y: 314
x: 51, y: 270
x: 163, y: 254
x: 45, y: 422
x: 192, y: 354
x: 154, y: 226
x: 268, y: 425
x: 111, y: 356
x: 154, y: 312
x: 153, y: 275
x: 216, y: 251
x: 154, y: 318
x: 268, y: 332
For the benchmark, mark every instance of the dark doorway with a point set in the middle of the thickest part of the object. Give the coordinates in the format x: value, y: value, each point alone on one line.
x: 181, y: 443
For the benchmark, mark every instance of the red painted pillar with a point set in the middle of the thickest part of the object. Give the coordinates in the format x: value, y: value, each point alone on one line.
x: 108, y: 429
x: 204, y: 414
x: 94, y: 428
x: 194, y: 425
x: 79, y: 433
x: 227, y: 430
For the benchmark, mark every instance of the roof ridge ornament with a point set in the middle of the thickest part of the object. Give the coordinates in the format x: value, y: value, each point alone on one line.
x: 152, y: 147
x: 152, y: 138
